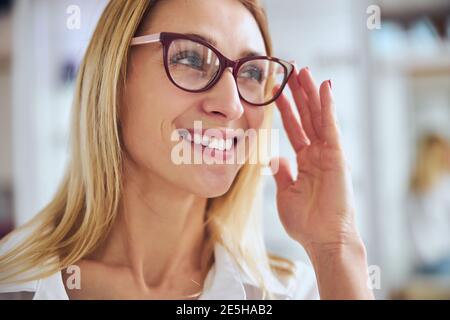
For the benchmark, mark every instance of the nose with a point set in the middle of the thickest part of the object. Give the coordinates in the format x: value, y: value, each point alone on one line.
x: 223, y: 100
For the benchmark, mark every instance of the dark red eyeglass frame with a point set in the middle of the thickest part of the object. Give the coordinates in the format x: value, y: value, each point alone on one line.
x: 166, y: 38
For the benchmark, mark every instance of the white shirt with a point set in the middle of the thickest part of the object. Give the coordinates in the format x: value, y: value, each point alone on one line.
x: 225, y: 280
x: 430, y: 222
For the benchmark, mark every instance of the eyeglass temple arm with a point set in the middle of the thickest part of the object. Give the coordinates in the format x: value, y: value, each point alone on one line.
x: 151, y: 38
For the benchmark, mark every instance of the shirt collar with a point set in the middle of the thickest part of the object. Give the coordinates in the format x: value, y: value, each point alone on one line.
x: 223, y: 281
x: 226, y: 280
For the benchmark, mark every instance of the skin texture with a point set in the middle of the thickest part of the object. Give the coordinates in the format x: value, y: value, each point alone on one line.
x: 317, y: 206
x: 163, y: 205
x: 155, y: 107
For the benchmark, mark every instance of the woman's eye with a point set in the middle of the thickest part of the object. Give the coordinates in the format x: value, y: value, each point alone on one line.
x: 188, y: 58
x: 252, y: 73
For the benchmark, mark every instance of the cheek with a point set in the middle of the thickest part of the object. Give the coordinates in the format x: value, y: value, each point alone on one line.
x: 254, y: 117
x: 138, y: 133
x: 143, y: 119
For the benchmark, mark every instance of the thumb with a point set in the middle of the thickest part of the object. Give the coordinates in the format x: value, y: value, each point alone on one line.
x: 281, y: 172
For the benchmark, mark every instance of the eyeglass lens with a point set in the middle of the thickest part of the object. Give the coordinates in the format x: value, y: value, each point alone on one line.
x: 193, y: 66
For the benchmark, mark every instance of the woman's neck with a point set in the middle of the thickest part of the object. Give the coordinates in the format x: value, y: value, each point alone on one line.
x: 158, y: 232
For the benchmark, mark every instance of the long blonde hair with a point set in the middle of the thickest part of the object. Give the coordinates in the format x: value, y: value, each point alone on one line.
x: 84, y: 208
x: 432, y: 161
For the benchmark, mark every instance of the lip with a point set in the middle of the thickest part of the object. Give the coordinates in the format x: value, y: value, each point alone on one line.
x: 217, y: 133
x: 213, y: 153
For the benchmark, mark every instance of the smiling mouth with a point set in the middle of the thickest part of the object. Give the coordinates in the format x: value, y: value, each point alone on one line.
x: 208, y: 141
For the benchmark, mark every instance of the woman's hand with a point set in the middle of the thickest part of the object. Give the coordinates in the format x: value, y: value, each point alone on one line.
x: 317, y: 207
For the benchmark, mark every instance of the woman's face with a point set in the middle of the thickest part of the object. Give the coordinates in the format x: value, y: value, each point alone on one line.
x: 154, y: 108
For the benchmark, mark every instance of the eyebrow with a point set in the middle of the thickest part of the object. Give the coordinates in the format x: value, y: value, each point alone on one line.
x: 211, y: 41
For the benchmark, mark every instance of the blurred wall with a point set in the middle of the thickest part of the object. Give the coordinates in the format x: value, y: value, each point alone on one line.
x: 44, y: 49
x: 5, y: 119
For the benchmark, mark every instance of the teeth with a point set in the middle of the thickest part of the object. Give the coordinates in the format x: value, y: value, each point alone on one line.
x: 210, y: 142
x: 228, y: 144
x: 205, y: 141
x: 197, y: 138
x: 213, y: 143
x: 221, y: 144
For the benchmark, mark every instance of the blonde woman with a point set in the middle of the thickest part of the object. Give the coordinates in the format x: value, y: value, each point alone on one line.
x: 429, y: 205
x: 132, y: 224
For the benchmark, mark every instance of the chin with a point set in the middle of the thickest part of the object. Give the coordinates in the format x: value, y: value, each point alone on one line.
x: 212, y: 183
x: 216, y: 192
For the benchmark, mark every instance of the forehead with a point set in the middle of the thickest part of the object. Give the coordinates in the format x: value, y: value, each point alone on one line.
x: 227, y: 22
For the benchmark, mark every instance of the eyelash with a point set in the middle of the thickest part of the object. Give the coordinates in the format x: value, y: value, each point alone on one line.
x: 198, y: 65
x: 185, y: 55
x: 253, y: 68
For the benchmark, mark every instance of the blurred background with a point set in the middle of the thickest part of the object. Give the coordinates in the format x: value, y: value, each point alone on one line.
x: 391, y: 80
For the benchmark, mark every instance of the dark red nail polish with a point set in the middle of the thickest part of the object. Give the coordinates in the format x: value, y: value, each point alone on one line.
x: 330, y: 84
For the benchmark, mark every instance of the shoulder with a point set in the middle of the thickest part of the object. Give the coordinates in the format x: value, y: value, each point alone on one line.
x: 285, y: 279
x: 292, y: 279
x: 446, y: 185
x: 302, y: 283
x: 13, y: 290
x: 13, y: 239
x: 50, y: 287
x: 305, y: 282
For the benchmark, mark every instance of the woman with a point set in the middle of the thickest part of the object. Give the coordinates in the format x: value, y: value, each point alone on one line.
x: 138, y: 226
x: 429, y: 206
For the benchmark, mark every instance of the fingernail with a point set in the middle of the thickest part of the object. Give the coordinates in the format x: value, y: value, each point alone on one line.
x: 330, y: 84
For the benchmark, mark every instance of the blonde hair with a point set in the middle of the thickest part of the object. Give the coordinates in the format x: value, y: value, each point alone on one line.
x: 84, y: 208
x: 432, y: 161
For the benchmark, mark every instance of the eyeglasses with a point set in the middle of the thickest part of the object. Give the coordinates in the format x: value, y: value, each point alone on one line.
x: 194, y: 65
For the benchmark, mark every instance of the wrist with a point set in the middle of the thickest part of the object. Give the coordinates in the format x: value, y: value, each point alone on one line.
x: 337, y: 251
x: 341, y: 270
